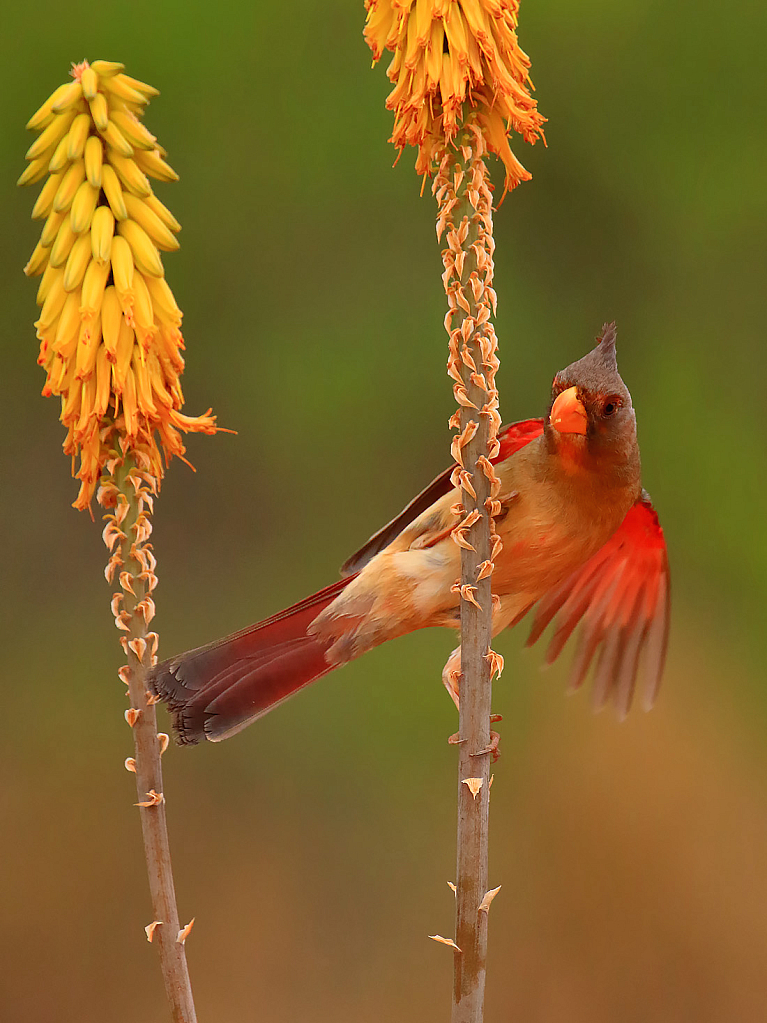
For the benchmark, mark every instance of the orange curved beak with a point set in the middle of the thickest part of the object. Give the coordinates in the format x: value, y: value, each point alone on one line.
x: 568, y: 414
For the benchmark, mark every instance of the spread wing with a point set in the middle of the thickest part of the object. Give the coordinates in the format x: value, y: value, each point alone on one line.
x: 621, y: 597
x: 511, y: 439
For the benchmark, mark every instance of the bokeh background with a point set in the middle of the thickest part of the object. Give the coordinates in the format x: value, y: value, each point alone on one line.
x: 314, y: 848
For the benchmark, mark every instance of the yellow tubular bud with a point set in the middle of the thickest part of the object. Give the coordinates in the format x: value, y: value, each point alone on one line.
x: 94, y: 283
x: 69, y: 321
x: 100, y: 111
x: 69, y: 95
x: 83, y: 205
x: 93, y: 155
x: 60, y: 157
x: 44, y: 202
x: 133, y: 130
x: 115, y: 139
x: 111, y: 317
x: 51, y: 228
x: 162, y: 212
x: 145, y: 255
x: 114, y: 193
x: 52, y: 384
x: 139, y: 211
x: 37, y: 261
x: 77, y: 262
x: 163, y: 300
x: 143, y: 311
x: 136, y: 109
x: 88, y: 395
x: 66, y: 349
x: 54, y: 302
x: 130, y: 408
x: 47, y: 141
x: 103, y: 381
x: 143, y: 384
x: 90, y: 82
x: 36, y: 170
x: 102, y: 229
x: 118, y: 87
x: 145, y: 90
x: 130, y: 175
x: 77, y: 135
x: 154, y: 165
x: 47, y: 359
x: 122, y: 265
x: 44, y: 115
x: 70, y: 182
x: 107, y: 68
x: 123, y: 354
x: 157, y: 380
x: 46, y: 283
x: 65, y: 239
x: 87, y: 348
x: 70, y: 403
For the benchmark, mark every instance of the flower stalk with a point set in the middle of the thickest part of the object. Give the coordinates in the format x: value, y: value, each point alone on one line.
x: 128, y: 491
x: 461, y: 86
x: 110, y: 345
x: 465, y: 216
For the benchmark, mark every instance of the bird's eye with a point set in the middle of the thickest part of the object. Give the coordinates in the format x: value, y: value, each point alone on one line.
x: 611, y: 406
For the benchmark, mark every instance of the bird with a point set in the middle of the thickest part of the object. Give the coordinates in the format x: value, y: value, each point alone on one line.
x: 581, y: 544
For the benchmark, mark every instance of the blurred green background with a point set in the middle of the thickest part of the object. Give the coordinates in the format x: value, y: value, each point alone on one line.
x: 314, y: 848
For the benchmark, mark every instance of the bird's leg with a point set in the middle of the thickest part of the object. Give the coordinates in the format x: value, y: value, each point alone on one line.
x: 451, y: 678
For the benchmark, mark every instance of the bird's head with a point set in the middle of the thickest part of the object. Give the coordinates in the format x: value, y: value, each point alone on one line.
x: 591, y: 411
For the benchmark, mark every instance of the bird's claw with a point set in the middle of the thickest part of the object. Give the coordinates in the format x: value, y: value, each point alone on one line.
x: 492, y: 747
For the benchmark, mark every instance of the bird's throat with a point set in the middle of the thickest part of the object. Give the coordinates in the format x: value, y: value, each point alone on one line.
x: 572, y: 452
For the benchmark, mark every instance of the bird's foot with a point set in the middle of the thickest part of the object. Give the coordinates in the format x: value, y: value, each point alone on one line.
x: 492, y: 746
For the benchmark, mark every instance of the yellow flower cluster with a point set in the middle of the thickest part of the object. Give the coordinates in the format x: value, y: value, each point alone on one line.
x: 109, y: 326
x: 454, y: 59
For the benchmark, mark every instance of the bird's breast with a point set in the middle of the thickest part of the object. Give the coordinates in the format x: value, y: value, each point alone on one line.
x: 546, y: 537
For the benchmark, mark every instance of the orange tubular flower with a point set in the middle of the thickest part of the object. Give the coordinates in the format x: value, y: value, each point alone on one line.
x: 109, y: 327
x: 453, y: 58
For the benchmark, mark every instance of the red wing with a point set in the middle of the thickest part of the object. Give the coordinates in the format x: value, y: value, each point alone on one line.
x: 621, y: 595
x: 511, y: 439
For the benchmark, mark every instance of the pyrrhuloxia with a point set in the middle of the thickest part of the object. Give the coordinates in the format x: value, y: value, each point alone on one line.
x: 581, y: 542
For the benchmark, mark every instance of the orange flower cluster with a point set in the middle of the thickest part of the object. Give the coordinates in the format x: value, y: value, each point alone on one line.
x: 453, y: 59
x: 109, y: 326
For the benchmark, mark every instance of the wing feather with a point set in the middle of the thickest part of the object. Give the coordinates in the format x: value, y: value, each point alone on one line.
x: 620, y: 597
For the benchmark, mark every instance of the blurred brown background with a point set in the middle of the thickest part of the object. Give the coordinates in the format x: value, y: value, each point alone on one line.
x: 314, y: 848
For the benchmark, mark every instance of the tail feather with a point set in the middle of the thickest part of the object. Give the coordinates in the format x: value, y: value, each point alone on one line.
x: 218, y: 689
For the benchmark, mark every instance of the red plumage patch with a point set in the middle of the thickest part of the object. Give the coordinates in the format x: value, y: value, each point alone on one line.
x: 621, y: 598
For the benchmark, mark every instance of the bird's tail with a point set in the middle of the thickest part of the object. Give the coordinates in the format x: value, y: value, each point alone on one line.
x: 218, y: 689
